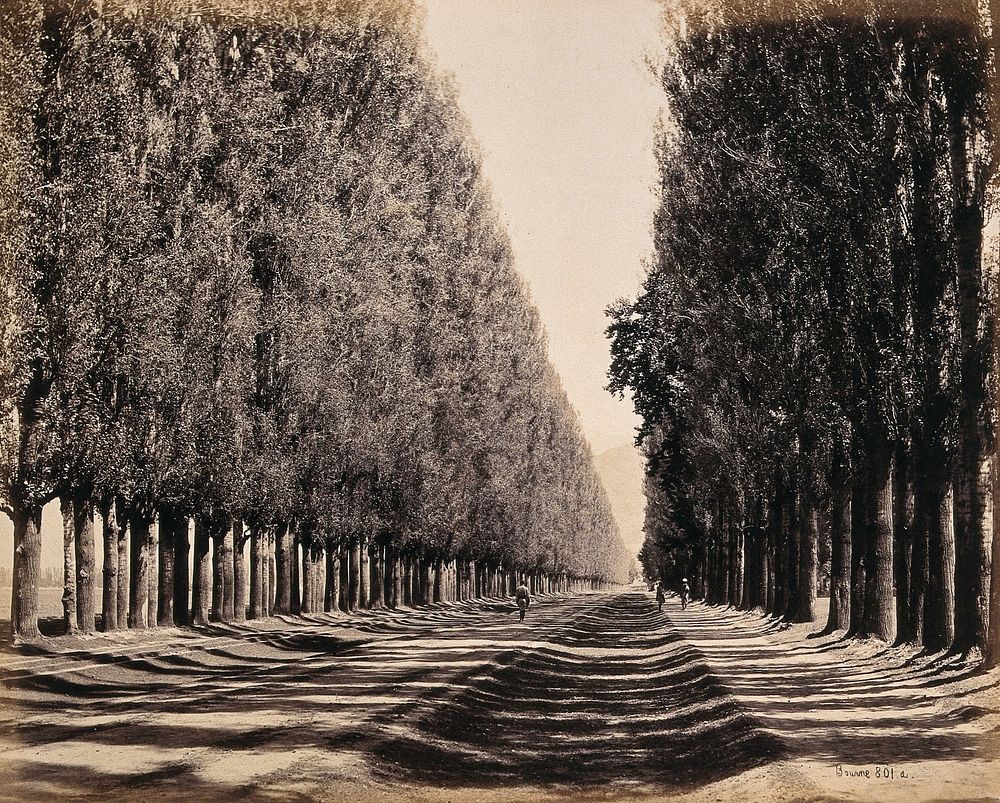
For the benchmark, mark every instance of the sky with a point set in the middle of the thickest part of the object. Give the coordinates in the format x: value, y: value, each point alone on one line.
x: 562, y: 103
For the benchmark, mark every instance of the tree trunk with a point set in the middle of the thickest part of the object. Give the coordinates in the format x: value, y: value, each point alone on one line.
x: 27, y: 570
x: 808, y: 560
x: 122, y: 516
x: 902, y: 521
x: 975, y: 310
x: 257, y: 572
x: 437, y: 578
x: 378, y: 576
x: 182, y: 575
x: 991, y: 658
x: 840, y: 557
x: 860, y: 497
x: 344, y: 600
x: 397, y: 580
x: 139, y: 570
x: 779, y: 518
x: 363, y: 572
x: 972, y: 549
x: 218, y: 575
x: 83, y: 524
x: 793, y: 544
x: 919, y: 577
x: 879, y: 606
x: 354, y: 590
x: 933, y: 514
x: 407, y: 582
x: 109, y: 595
x: 165, y: 586
x: 331, y: 603
x: 239, y: 573
x: 282, y: 569
x: 153, y: 575
x: 739, y: 563
x: 228, y: 575
x: 201, y: 580
x: 308, y: 580
x: 69, y: 563
x: 271, y: 566
x: 294, y: 566
x: 426, y: 581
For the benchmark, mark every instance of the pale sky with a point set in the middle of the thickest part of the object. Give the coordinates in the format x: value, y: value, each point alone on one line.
x: 559, y: 97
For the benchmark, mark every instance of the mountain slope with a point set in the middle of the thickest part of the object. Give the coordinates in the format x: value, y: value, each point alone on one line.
x: 622, y: 472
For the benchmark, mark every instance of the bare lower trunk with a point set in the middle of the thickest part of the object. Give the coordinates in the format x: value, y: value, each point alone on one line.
x: 377, y: 599
x: 308, y: 580
x: 879, y: 606
x: 793, y: 547
x: 271, y: 576
x: 83, y: 524
x: 239, y: 573
x: 354, y: 575
x: 860, y: 510
x: 437, y: 581
x: 902, y: 521
x: 69, y: 564
x: 991, y: 657
x: 122, y: 516
x: 363, y: 571
x: 283, y: 569
x: 331, y: 603
x: 218, y: 579
x: 182, y: 576
x: 344, y: 596
x: 768, y: 573
x: 808, y: 560
x: 294, y: 566
x: 840, y: 559
x: 407, y: 580
x: 109, y: 595
x: 939, y: 604
x: 257, y: 573
x: 228, y: 576
x: 201, y: 580
x: 919, y: 578
x: 972, y: 551
x: 153, y: 577
x: 27, y: 569
x: 778, y: 517
x: 397, y: 580
x: 139, y: 570
x: 165, y: 587
x: 427, y: 581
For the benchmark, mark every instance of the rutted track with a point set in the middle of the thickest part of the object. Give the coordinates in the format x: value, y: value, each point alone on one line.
x: 591, y: 693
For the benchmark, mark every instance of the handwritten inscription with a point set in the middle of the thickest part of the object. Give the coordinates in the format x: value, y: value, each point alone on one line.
x: 875, y: 772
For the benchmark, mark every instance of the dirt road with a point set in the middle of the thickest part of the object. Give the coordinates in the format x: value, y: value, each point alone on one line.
x: 594, y: 696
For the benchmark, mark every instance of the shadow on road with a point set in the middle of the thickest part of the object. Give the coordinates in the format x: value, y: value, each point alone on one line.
x: 615, y: 698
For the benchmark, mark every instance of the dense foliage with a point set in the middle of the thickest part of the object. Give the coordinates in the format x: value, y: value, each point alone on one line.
x: 253, y: 279
x: 811, y: 352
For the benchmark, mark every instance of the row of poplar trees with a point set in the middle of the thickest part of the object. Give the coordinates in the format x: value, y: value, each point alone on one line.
x: 812, y: 352
x: 255, y: 289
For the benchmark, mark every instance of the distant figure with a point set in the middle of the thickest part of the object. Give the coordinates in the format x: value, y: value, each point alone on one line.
x: 660, y: 596
x: 523, y: 598
x: 685, y: 593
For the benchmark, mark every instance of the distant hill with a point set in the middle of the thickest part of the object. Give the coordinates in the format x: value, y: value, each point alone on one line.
x: 621, y: 471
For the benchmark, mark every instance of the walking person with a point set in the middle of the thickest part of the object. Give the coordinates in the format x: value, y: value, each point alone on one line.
x: 685, y: 593
x: 523, y: 598
x: 660, y: 596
